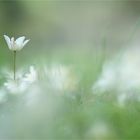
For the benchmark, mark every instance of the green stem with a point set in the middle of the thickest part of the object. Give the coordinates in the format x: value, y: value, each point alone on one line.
x: 14, y: 65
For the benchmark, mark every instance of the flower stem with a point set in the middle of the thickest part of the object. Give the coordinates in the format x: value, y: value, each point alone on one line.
x: 14, y: 65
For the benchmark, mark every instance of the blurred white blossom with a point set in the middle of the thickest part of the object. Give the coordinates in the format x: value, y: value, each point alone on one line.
x: 32, y: 76
x: 6, y: 74
x: 100, y: 131
x: 15, y: 86
x: 121, y: 75
x: 16, y: 45
x: 60, y: 78
x: 22, y: 83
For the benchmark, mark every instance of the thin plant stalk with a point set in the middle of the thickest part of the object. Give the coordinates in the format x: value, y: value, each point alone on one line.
x: 14, y: 65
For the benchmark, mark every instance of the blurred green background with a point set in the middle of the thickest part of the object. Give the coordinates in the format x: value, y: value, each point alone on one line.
x: 80, y: 33
x: 64, y: 26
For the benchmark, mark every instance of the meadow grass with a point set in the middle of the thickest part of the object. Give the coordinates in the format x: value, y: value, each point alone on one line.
x: 42, y: 112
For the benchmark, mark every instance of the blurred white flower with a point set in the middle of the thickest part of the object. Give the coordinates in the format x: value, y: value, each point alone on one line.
x: 16, y: 45
x: 100, y: 131
x: 22, y: 83
x: 31, y: 76
x: 122, y: 76
x: 6, y: 74
x: 60, y: 78
x: 15, y: 86
x: 107, y: 79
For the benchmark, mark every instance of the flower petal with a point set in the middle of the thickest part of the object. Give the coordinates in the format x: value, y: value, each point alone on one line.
x: 13, y: 46
x: 25, y: 42
x: 8, y: 41
x: 19, y: 41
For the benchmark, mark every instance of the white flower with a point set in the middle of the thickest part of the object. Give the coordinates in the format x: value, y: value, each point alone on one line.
x: 60, y: 78
x: 16, y: 45
x: 100, y: 131
x: 31, y: 76
x: 122, y: 76
x: 23, y: 82
x: 15, y: 87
